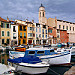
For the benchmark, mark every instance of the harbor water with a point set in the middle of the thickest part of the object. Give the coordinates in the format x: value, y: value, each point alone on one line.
x: 53, y: 70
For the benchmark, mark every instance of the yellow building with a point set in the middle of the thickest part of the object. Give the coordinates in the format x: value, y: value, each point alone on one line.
x: 5, y: 31
x: 22, y: 32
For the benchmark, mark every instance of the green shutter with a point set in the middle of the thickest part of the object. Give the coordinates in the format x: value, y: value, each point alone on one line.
x: 2, y: 33
x: 6, y: 25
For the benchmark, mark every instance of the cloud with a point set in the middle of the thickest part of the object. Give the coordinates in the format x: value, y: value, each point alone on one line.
x: 27, y: 8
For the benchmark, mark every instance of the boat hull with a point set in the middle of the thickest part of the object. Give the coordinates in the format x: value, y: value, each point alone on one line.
x: 57, y: 59
x: 32, y: 70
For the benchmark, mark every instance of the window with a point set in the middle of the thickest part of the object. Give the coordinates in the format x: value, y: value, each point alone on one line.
x: 42, y: 31
x: 46, y: 36
x: 31, y: 52
x: 59, y: 26
x: 63, y: 27
x: 2, y: 25
x: 24, y: 28
x: 36, y: 35
x: 43, y: 36
x: 30, y: 28
x: 51, y: 50
x: 24, y: 41
x: 8, y: 33
x: 24, y: 35
x: 73, y: 28
x: 40, y: 52
x: 7, y: 41
x: 20, y: 28
x: 33, y: 35
x: 30, y: 35
x: 14, y: 29
x: 7, y: 26
x: 49, y: 31
x: 40, y: 14
x: 70, y: 28
x: 46, y: 31
x: 20, y: 35
x: 67, y: 27
x: 39, y: 35
x: 36, y: 29
x: 2, y: 33
x: 2, y: 41
x: 43, y: 14
x: 14, y: 35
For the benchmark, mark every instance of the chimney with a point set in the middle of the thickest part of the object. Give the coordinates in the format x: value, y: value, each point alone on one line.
x: 7, y: 18
x: 32, y: 21
x: 11, y: 19
x: 26, y: 20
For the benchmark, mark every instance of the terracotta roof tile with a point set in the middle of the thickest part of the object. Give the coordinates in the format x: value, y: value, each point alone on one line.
x: 1, y: 19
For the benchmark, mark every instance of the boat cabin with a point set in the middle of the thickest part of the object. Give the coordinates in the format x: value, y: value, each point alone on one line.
x: 39, y: 51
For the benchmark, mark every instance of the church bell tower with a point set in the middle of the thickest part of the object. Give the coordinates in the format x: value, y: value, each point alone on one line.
x: 42, y: 18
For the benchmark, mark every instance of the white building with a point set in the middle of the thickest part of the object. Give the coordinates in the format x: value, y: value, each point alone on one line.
x: 41, y: 33
x: 14, y: 34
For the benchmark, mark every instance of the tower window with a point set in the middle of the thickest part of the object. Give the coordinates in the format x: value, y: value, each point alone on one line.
x: 40, y: 14
x: 43, y: 14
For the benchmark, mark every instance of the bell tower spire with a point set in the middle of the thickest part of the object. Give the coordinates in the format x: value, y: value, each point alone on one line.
x: 41, y: 14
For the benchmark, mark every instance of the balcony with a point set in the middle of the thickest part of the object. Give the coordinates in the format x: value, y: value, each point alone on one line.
x: 14, y: 37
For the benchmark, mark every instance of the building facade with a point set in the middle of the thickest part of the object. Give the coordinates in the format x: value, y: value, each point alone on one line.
x: 22, y: 32
x: 14, y: 33
x: 5, y: 32
x: 30, y: 32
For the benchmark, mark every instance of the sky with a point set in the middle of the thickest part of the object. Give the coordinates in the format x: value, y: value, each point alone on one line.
x: 28, y: 9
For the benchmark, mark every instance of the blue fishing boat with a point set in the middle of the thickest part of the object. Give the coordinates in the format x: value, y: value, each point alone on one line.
x: 30, y: 65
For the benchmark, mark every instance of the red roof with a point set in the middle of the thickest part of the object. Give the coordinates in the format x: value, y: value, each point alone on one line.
x: 1, y: 19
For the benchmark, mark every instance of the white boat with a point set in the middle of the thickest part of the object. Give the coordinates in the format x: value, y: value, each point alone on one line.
x: 32, y: 65
x: 73, y: 51
x: 47, y: 54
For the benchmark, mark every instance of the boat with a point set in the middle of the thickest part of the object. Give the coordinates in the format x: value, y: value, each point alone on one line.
x: 48, y: 54
x: 20, y: 48
x: 30, y: 65
x: 73, y: 51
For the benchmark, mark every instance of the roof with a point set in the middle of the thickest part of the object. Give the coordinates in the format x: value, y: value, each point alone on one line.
x: 42, y: 5
x: 20, y: 24
x: 1, y: 19
x: 29, y: 22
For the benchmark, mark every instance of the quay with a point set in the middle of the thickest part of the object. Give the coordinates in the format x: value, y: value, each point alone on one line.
x: 71, y: 71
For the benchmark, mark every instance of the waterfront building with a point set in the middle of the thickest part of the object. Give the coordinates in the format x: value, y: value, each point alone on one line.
x: 14, y: 33
x: 52, y: 36
x: 22, y: 32
x: 59, y: 25
x: 0, y: 32
x: 41, y: 34
x: 69, y: 26
x: 64, y: 37
x: 5, y: 31
x: 30, y: 32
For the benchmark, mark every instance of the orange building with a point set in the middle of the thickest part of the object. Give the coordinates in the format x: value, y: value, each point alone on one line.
x: 64, y: 36
x: 52, y: 35
x: 22, y: 34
